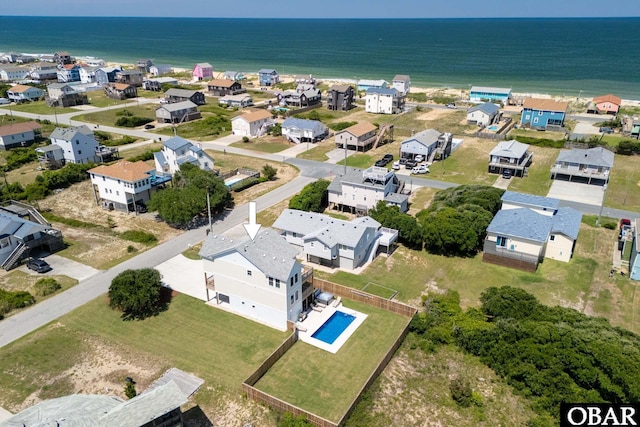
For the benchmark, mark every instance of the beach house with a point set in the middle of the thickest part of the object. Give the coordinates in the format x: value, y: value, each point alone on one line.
x: 259, y: 279
x: 302, y: 130
x: 64, y: 95
x: 511, y: 155
x: 24, y: 93
x: 69, y: 73
x: 9, y: 73
x: 529, y: 228
x: 634, y: 260
x: 130, y: 77
x: 332, y: 242
x: 341, y: 97
x: 106, y: 75
x: 542, y: 113
x: 251, y: 124
x: 77, y: 143
x: 366, y: 84
x: 222, y: 87
x: 241, y: 100
x: 359, y: 137
x: 18, y: 134
x: 483, y: 115
x: 24, y: 230
x: 160, y: 69
x: 402, y: 83
x: 120, y: 91
x: 177, y: 151
x: 605, y: 104
x: 233, y: 75
x: 180, y: 95
x: 384, y: 101
x: 144, y: 64
x: 268, y: 77
x: 43, y: 72
x: 123, y: 185
x: 62, y: 58
x: 304, y: 95
x: 421, y: 144
x: 202, y: 71
x: 87, y: 74
x: 588, y: 166
x: 360, y: 190
x: 490, y: 94
x: 177, y: 112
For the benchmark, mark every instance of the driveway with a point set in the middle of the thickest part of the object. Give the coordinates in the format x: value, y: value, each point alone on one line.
x: 184, y: 275
x: 584, y: 130
x: 577, y: 192
x: 65, y: 266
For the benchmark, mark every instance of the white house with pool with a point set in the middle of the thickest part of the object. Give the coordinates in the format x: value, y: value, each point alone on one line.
x: 259, y: 279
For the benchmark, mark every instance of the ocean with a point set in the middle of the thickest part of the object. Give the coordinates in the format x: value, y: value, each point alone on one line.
x: 570, y: 57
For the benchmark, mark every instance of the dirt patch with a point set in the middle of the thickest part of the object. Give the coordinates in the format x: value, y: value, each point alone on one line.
x: 434, y: 114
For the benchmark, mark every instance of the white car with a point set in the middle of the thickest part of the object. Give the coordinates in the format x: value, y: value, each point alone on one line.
x: 396, y: 165
x: 419, y: 158
x: 420, y: 169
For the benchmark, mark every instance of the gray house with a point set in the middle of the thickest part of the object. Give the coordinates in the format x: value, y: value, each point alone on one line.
x: 422, y: 143
x: 333, y: 242
x: 18, y: 134
x: 483, y: 114
x: 341, y: 97
x: 179, y: 95
x: 510, y: 155
x: 590, y: 166
x: 178, y: 112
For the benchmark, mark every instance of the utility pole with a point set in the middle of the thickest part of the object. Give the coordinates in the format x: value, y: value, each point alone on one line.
x: 209, y: 211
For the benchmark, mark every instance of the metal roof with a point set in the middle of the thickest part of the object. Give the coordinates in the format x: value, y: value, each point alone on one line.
x: 357, y: 176
x: 267, y: 71
x: 567, y: 221
x: 305, y: 124
x: 597, y: 156
x: 269, y: 251
x: 530, y: 200
x: 487, y: 108
x: 401, y: 78
x: 522, y: 223
x: 512, y: 149
x: 383, y: 91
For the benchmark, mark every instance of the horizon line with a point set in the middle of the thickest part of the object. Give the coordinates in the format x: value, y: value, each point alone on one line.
x: 324, y: 18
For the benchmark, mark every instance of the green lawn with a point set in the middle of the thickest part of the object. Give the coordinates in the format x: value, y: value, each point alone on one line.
x: 466, y: 165
x: 109, y: 117
x: 622, y: 190
x: 325, y: 383
x: 359, y: 161
x: 219, y: 347
x: 41, y: 107
x: 319, y: 152
x: 538, y: 179
x: 98, y: 99
x: 263, y: 146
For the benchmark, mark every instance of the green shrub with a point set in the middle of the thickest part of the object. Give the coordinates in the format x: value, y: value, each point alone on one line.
x: 312, y: 198
x: 46, y: 286
x: 245, y: 139
x: 244, y: 184
x: 131, y: 249
x: 461, y: 391
x: 19, y: 156
x: 269, y: 172
x: 540, y: 142
x: 132, y: 121
x: 147, y: 155
x: 139, y: 236
x: 12, y: 300
x: 341, y: 125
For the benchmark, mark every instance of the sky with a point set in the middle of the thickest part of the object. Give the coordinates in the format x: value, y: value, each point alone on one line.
x: 324, y: 8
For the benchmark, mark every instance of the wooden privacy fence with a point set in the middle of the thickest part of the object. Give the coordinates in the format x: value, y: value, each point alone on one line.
x: 342, y: 291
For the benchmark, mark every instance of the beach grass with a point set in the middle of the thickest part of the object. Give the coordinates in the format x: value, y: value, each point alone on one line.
x: 109, y: 117
x: 468, y: 164
x: 325, y: 383
x: 41, y: 107
x: 98, y: 99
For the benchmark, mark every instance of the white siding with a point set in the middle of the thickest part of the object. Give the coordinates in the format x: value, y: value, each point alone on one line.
x: 560, y: 248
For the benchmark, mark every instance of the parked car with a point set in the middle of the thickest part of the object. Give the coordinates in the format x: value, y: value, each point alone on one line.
x: 149, y: 126
x: 38, y: 265
x: 606, y: 129
x: 4, y: 101
x: 403, y: 160
x: 388, y: 157
x: 506, y: 174
x: 420, y: 169
x: 384, y: 160
x: 381, y: 163
x: 419, y: 158
x: 625, y: 224
x: 410, y: 164
x: 396, y: 165
x: 451, y: 105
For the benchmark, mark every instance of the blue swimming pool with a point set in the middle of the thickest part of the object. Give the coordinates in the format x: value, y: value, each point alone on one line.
x: 230, y: 182
x: 333, y: 327
x: 493, y: 128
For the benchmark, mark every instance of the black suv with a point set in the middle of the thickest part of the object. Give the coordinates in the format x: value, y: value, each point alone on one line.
x: 384, y: 160
x: 38, y: 265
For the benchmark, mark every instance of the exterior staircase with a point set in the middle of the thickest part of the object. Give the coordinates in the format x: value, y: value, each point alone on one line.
x: 15, y: 256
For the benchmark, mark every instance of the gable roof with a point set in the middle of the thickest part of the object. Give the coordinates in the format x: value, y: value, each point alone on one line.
x: 222, y: 82
x: 267, y: 71
x: 67, y: 134
x: 183, y: 93
x: 489, y: 89
x: 340, y: 88
x: 120, y: 86
x: 608, y: 98
x: 177, y: 106
x: 530, y: 200
x: 21, y: 88
x: 512, y: 149
x: 545, y: 104
x: 292, y: 122
x: 359, y: 129
x: 523, y: 223
x: 328, y: 230
x: 254, y: 116
x: 204, y: 65
x: 368, y: 82
x: 176, y: 142
x: 269, y: 251
x: 427, y: 137
x: 18, y: 226
x: 382, y: 91
x: 597, y: 156
x: 361, y: 177
x: 401, y: 78
x: 567, y: 221
x: 18, y: 128
x: 487, y: 108
x: 124, y: 170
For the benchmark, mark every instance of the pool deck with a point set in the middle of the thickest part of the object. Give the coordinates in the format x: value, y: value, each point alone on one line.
x: 315, y: 319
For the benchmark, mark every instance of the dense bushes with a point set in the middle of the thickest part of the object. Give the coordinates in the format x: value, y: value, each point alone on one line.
x: 548, y: 354
x: 146, y: 155
x: 12, y: 300
x: 139, y: 236
x: 46, y: 286
x: 19, y: 156
x: 540, y: 142
x: 269, y: 172
x: 628, y: 147
x: 132, y: 121
x: 409, y: 231
x: 312, y: 198
x: 246, y: 183
x: 341, y: 125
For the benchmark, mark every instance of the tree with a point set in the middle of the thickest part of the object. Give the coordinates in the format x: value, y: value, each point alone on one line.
x: 130, y: 388
x: 137, y: 293
x: 409, y: 231
x: 312, y: 198
x: 269, y: 172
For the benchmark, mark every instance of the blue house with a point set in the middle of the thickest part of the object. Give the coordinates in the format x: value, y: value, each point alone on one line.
x: 365, y: 84
x: 268, y: 77
x: 490, y: 94
x: 543, y: 113
x: 106, y: 75
x: 70, y: 73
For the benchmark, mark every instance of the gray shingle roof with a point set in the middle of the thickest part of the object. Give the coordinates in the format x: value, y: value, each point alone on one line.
x: 427, y: 137
x: 396, y: 198
x: 523, y: 223
x: 597, y: 156
x: 487, y: 108
x: 530, y: 200
x: 177, y: 106
x: 383, y: 91
x: 176, y: 142
x: 159, y: 157
x: 401, y: 78
x: 269, y: 251
x: 304, y: 124
x: 512, y: 149
x: 354, y: 176
x: 330, y: 231
x: 67, y: 134
x: 267, y: 71
x: 567, y: 221
x: 182, y: 93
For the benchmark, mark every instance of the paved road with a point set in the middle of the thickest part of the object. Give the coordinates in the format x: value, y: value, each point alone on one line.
x: 47, y: 311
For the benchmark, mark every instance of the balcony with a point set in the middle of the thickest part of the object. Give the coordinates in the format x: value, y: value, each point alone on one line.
x: 579, y: 172
x: 388, y: 236
x: 307, y: 275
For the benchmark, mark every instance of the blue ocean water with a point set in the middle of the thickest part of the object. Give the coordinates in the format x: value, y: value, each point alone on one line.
x: 557, y: 56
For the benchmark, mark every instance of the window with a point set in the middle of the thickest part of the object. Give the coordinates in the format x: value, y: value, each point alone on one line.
x: 270, y: 281
x: 249, y: 272
x: 296, y: 278
x: 552, y: 237
x: 79, y: 151
x: 291, y: 281
x: 501, y: 241
x: 291, y: 299
x: 117, y: 193
x: 540, y: 113
x: 296, y: 295
x: 311, y: 244
x: 278, y: 283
